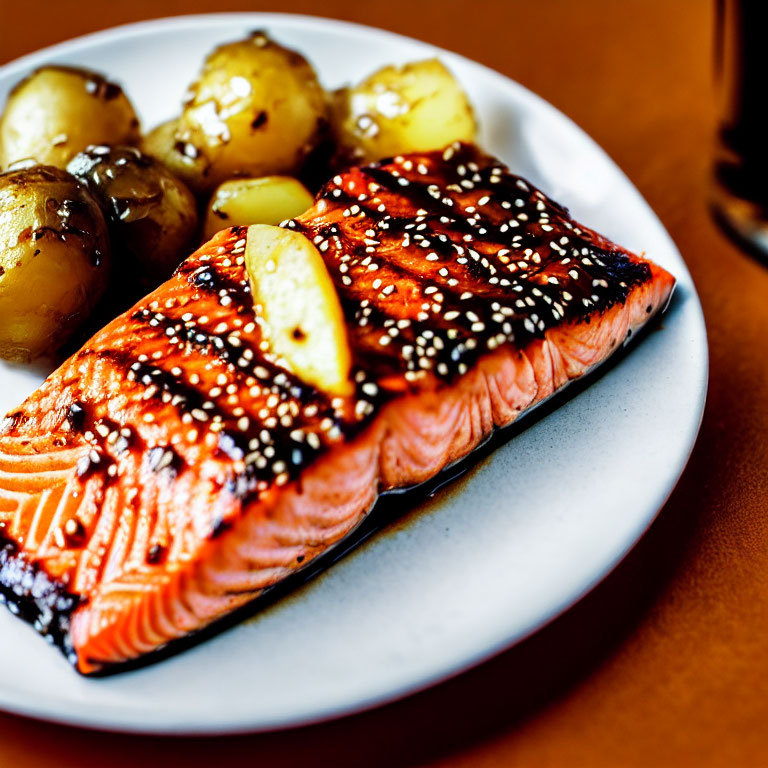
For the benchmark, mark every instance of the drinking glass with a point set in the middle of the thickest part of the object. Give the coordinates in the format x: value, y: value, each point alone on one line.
x: 741, y: 164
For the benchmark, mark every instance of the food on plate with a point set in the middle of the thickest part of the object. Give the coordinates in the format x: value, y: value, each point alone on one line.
x: 54, y: 259
x: 175, y: 468
x: 183, y: 159
x: 254, y: 122
x: 58, y: 111
x: 152, y: 215
x: 303, y: 321
x: 256, y: 109
x: 398, y: 109
x: 265, y: 200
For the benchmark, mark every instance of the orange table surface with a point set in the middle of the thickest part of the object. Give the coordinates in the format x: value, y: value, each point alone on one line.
x: 666, y: 662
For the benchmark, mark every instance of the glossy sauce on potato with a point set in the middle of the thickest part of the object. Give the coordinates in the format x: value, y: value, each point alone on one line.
x: 152, y: 215
x: 54, y: 259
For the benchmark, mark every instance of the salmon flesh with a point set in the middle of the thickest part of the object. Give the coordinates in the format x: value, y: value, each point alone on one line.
x: 172, y: 470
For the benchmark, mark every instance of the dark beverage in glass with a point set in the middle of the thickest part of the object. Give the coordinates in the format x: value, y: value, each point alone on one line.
x: 741, y: 165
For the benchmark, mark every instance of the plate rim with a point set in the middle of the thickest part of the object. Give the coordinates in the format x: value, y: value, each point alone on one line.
x: 113, y: 718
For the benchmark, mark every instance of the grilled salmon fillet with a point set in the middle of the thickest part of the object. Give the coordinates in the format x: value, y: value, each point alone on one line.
x: 172, y: 471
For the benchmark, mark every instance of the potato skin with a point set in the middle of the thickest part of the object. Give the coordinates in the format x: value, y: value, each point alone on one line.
x: 54, y: 259
x: 57, y: 111
x: 266, y: 200
x: 152, y: 216
x: 416, y: 107
x: 184, y: 159
x: 257, y: 109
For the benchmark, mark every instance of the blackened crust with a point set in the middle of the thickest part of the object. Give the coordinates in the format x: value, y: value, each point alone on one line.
x: 31, y: 594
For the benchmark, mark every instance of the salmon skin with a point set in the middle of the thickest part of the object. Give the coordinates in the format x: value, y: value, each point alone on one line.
x: 172, y: 471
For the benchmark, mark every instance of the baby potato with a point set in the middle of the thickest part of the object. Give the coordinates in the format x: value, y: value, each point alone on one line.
x: 54, y: 259
x: 58, y: 111
x: 152, y: 215
x: 398, y: 109
x: 268, y: 200
x: 182, y: 158
x: 257, y: 109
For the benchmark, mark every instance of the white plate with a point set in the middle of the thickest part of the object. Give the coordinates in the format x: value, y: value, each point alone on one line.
x: 480, y: 566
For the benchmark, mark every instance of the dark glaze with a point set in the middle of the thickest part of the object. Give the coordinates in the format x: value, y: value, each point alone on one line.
x: 126, y: 183
x: 151, y: 215
x: 76, y: 218
x: 64, y: 209
x: 452, y: 256
x: 34, y: 596
x: 75, y: 416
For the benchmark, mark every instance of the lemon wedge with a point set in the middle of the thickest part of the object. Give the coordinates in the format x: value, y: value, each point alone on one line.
x: 297, y: 300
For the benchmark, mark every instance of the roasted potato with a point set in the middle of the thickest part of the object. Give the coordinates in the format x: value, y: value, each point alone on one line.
x: 54, y: 259
x: 399, y: 109
x: 152, y: 216
x: 268, y: 200
x: 182, y: 158
x: 256, y: 109
x: 58, y: 111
